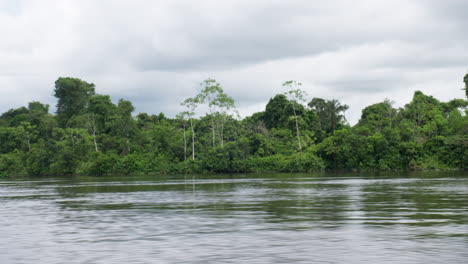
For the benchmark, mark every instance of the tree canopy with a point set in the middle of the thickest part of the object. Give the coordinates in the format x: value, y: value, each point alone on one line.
x: 92, y: 135
x: 73, y: 97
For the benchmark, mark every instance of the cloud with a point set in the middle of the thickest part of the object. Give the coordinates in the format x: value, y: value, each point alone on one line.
x: 155, y: 53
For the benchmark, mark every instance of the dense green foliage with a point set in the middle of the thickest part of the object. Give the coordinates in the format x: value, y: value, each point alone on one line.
x: 91, y: 135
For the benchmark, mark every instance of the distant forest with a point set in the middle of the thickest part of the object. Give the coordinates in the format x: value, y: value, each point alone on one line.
x: 91, y: 135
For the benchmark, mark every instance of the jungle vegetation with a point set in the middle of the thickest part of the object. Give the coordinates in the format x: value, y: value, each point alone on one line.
x: 91, y: 135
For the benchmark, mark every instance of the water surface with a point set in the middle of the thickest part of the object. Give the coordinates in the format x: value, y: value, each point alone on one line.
x: 258, y: 218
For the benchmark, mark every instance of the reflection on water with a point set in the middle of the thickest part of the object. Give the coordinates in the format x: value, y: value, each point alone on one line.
x: 277, y: 218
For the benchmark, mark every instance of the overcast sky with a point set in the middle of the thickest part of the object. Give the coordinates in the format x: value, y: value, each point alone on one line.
x: 155, y: 53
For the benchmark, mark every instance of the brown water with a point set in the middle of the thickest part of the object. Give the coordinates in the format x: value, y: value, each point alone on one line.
x: 260, y: 218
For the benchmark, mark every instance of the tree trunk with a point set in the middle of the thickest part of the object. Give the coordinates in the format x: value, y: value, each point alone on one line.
x: 297, y: 131
x: 213, y: 131
x: 185, y: 145
x: 95, y: 142
x: 92, y: 129
x: 193, y: 140
x: 221, y: 136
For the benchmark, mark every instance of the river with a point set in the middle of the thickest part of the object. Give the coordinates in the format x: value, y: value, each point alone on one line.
x: 240, y: 218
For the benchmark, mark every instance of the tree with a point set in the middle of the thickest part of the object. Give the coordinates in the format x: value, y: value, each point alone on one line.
x: 103, y: 109
x: 30, y: 133
x: 277, y: 112
x: 465, y: 80
x: 421, y: 109
x: 14, y: 116
x: 225, y: 105
x: 124, y: 126
x: 219, y: 104
x: 38, y: 108
x: 73, y: 97
x: 191, y: 105
x: 378, y: 116
x: 70, y: 148
x: 330, y: 112
x: 335, y: 114
x: 89, y: 121
x: 182, y: 117
x: 14, y: 138
x: 295, y: 95
x: 319, y: 106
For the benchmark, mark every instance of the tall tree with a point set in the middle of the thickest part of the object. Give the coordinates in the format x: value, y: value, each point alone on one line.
x: 219, y: 104
x: 420, y: 109
x: 277, y: 111
x: 330, y: 112
x: 103, y: 109
x: 225, y: 106
x: 73, y: 97
x: 191, y: 105
x: 296, y: 96
x: 465, y: 79
x: 38, y: 108
x: 378, y: 116
x: 88, y: 121
x: 124, y: 125
x: 182, y: 118
x: 319, y: 105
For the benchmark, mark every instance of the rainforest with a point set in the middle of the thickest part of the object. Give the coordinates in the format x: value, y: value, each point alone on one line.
x: 91, y: 135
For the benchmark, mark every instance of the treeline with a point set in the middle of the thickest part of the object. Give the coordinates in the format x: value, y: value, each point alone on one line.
x: 91, y: 135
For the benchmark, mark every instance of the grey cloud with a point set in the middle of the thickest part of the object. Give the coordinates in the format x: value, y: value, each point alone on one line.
x: 265, y: 32
x: 453, y: 10
x: 364, y: 85
x: 223, y: 35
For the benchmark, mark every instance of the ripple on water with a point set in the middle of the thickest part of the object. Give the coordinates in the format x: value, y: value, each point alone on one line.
x: 285, y: 218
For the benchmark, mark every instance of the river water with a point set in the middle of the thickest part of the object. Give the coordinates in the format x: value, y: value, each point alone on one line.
x: 257, y: 218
